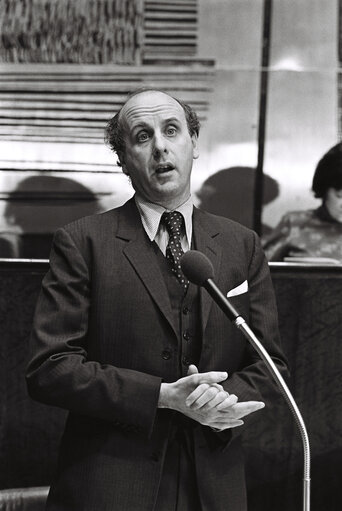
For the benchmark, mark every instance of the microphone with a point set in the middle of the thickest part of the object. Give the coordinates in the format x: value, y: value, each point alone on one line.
x: 199, y: 270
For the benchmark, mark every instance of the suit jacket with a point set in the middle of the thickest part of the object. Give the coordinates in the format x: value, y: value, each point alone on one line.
x: 102, y: 323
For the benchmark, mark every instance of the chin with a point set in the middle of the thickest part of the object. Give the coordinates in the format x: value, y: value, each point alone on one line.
x: 168, y: 198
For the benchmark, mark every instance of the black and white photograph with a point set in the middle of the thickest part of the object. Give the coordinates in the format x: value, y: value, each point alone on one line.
x: 170, y: 255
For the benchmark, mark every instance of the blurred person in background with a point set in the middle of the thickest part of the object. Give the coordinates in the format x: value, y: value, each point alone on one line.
x: 314, y: 233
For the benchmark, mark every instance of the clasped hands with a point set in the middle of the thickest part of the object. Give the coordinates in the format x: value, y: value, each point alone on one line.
x: 201, y: 397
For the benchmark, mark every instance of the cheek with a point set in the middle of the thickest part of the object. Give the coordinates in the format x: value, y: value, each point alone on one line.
x: 136, y: 158
x: 335, y: 207
x: 186, y: 153
x: 336, y: 202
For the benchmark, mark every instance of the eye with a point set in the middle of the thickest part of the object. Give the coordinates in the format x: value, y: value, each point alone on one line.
x: 171, y: 130
x: 142, y: 136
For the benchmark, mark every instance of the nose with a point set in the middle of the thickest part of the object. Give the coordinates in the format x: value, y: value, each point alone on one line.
x: 159, y: 145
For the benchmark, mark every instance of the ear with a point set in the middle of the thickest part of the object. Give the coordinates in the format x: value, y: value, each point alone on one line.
x: 124, y: 169
x: 122, y: 164
x: 195, y: 152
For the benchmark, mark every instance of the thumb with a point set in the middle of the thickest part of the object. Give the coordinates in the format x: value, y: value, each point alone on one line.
x: 210, y: 377
x: 192, y: 369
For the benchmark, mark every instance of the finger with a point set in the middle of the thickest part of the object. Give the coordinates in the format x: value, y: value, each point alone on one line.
x: 192, y: 369
x: 204, y: 398
x: 228, y: 402
x: 245, y: 408
x: 210, y: 377
x: 219, y: 398
x: 218, y: 386
x: 201, y: 389
x: 228, y: 424
x: 195, y: 394
x: 240, y: 410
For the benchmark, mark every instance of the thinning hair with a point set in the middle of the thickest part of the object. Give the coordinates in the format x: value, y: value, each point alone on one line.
x: 114, y: 131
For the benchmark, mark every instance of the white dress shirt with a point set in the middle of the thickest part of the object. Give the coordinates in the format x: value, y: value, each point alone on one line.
x: 156, y: 231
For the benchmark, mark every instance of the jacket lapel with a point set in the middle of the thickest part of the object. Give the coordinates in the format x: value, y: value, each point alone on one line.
x: 140, y: 253
x: 205, y: 232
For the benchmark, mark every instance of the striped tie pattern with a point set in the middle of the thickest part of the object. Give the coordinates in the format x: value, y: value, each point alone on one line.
x: 174, y: 222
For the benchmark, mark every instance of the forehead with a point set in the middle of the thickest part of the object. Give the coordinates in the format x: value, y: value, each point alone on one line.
x: 151, y: 105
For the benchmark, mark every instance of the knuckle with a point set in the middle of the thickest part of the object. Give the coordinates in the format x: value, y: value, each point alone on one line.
x: 203, y: 387
x: 212, y: 392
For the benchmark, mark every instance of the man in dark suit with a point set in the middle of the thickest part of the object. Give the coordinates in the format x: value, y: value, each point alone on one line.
x: 154, y: 376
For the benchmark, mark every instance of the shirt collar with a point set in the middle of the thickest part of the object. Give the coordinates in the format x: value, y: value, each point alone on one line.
x: 151, y: 214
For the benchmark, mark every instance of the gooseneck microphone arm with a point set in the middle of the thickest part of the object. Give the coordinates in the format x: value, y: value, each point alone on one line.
x: 199, y: 270
x: 241, y: 324
x: 221, y: 300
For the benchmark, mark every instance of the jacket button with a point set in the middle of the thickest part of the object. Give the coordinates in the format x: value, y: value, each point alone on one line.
x: 166, y: 355
x: 186, y: 361
x: 186, y: 335
x: 186, y: 310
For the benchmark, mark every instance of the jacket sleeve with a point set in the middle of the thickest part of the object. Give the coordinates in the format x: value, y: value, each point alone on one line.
x: 254, y: 381
x: 59, y: 372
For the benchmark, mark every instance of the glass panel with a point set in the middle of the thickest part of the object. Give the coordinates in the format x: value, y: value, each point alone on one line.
x: 223, y: 178
x: 53, y: 115
x: 302, y: 101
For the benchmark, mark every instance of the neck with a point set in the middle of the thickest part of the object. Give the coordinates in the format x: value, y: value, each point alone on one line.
x: 171, y: 204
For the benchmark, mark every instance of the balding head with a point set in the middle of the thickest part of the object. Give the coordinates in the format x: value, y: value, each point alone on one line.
x: 158, y: 149
x: 115, y: 133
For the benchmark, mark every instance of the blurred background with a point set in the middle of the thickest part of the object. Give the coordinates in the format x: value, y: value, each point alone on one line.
x: 264, y: 76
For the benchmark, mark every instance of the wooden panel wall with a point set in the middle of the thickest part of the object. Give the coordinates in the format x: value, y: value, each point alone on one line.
x: 41, y: 101
x: 96, y: 31
x: 68, y: 103
x: 77, y: 31
x: 170, y: 28
x: 66, y: 66
x: 310, y: 307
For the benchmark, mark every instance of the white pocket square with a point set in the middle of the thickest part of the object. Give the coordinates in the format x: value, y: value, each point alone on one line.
x: 239, y: 290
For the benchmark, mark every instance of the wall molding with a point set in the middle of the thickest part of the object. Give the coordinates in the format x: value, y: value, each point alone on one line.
x: 68, y: 103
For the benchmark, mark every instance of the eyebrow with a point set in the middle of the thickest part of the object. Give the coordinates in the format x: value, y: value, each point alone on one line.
x: 143, y: 124
x: 171, y: 119
x: 140, y: 124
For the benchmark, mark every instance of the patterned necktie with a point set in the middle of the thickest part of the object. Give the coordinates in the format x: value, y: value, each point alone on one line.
x: 174, y: 222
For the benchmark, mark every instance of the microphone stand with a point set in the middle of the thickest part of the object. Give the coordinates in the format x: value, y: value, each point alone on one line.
x: 241, y: 324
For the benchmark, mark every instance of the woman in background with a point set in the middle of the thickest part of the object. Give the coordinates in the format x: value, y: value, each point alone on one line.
x: 315, y: 233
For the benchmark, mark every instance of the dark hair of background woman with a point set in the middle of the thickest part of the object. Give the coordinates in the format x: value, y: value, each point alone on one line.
x: 328, y: 173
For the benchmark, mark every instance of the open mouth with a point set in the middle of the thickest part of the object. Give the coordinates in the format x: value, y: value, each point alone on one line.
x: 164, y: 167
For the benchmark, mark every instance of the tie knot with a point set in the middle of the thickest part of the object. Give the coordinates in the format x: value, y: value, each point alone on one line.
x: 173, y: 222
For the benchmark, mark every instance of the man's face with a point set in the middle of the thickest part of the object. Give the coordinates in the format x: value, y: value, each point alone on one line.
x: 159, y: 150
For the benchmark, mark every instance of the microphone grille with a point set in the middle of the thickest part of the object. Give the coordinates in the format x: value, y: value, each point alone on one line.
x: 197, y: 267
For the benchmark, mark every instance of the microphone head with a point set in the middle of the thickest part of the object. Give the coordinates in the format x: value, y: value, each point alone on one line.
x: 197, y: 267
